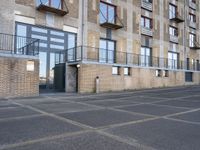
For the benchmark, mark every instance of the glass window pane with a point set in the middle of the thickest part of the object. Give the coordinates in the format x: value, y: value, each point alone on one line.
x: 43, y: 62
x: 71, y: 45
x: 56, y: 3
x: 103, y: 13
x: 111, y: 48
x: 111, y: 14
x: 103, y: 50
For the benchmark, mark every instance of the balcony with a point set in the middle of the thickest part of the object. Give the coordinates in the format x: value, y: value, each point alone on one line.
x: 108, y: 16
x: 176, y: 18
x: 173, y: 38
x: 192, y: 24
x: 192, y: 5
x: 13, y: 44
x: 146, y: 5
x: 104, y: 56
x: 58, y: 7
x: 146, y: 31
x: 195, y: 46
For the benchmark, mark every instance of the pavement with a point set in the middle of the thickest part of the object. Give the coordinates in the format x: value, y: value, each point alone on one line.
x: 155, y: 119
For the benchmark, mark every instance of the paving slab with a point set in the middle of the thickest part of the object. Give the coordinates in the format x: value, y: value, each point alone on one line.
x: 11, y: 112
x: 180, y: 103
x: 87, y: 141
x: 191, y: 116
x: 111, y: 103
x: 153, y: 109
x: 103, y: 117
x: 15, y: 131
x: 143, y: 99
x: 63, y: 107
x: 161, y: 134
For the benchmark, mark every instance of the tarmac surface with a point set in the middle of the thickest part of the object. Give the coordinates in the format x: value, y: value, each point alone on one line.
x: 155, y: 119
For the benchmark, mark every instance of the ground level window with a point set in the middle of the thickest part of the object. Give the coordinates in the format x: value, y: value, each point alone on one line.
x: 115, y: 70
x: 158, y: 73
x: 165, y: 73
x: 127, y: 71
x: 188, y: 77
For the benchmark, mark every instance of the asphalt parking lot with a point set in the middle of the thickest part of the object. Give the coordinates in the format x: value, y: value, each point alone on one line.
x: 156, y: 119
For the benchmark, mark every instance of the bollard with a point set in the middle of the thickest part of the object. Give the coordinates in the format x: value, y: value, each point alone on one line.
x: 97, y: 84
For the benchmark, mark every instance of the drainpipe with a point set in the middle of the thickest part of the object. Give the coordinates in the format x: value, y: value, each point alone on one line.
x: 184, y: 54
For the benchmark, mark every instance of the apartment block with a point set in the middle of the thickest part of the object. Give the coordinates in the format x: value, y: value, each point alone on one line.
x: 107, y: 45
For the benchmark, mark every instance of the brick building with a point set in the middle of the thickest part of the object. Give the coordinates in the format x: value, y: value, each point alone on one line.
x: 126, y: 44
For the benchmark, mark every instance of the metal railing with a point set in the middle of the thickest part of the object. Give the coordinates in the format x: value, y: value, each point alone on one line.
x: 13, y: 44
x: 99, y: 55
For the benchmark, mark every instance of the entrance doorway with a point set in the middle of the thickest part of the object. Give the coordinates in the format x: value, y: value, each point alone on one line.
x: 52, y: 41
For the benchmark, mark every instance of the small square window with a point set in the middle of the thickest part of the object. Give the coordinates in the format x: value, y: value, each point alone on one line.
x: 30, y: 65
x: 115, y: 70
x: 165, y: 73
x: 158, y: 73
x: 127, y: 71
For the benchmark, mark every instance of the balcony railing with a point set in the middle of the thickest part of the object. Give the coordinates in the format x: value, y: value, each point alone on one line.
x: 146, y: 31
x: 192, y: 24
x: 13, y: 44
x: 195, y: 46
x: 176, y: 17
x: 173, y: 38
x: 114, y: 22
x: 192, y: 5
x: 104, y: 56
x: 58, y: 7
x: 146, y: 5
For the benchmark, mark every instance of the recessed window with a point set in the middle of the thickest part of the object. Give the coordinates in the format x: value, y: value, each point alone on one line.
x: 30, y: 65
x: 172, y: 11
x: 173, y: 60
x: 127, y: 71
x: 107, y: 51
x: 115, y: 70
x: 107, y: 13
x: 192, y: 39
x: 146, y: 22
x: 192, y: 18
x: 158, y: 73
x: 145, y: 57
x: 173, y: 31
x: 165, y: 73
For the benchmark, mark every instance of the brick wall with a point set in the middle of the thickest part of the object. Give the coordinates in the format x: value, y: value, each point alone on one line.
x: 140, y: 78
x: 15, y: 80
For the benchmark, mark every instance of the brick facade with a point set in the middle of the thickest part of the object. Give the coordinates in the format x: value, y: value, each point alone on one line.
x: 15, y: 80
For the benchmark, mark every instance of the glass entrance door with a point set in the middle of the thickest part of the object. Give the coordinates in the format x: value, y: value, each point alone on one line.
x: 52, y: 42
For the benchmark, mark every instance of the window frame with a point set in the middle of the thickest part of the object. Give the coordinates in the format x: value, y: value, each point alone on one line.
x: 175, y: 31
x: 106, y: 18
x: 145, y: 22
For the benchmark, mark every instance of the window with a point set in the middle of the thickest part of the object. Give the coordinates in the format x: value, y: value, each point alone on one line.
x: 107, y: 13
x: 158, y: 73
x: 192, y: 38
x: 173, y: 31
x: 192, y: 18
x: 192, y: 1
x: 193, y: 64
x: 198, y: 65
x: 107, y: 51
x: 148, y: 1
x: 51, y: 3
x: 189, y: 77
x: 145, y: 58
x: 115, y: 70
x: 165, y: 73
x: 172, y: 60
x: 127, y: 71
x: 21, y: 41
x: 172, y: 11
x: 146, y: 22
